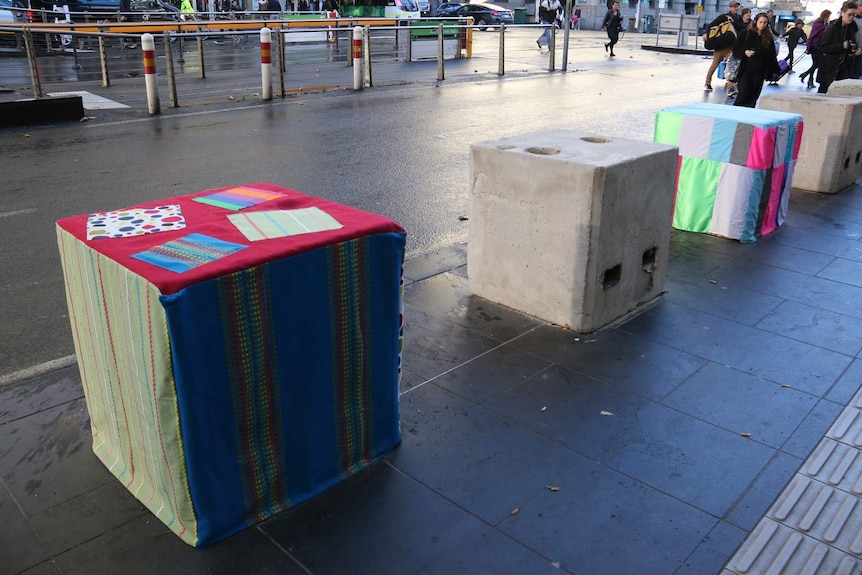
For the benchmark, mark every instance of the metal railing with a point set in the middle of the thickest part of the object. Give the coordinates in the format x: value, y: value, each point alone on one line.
x: 308, y: 58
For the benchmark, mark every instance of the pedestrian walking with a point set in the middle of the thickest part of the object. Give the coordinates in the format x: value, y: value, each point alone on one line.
x: 794, y: 35
x: 548, y: 10
x: 837, y: 45
x: 576, y: 19
x: 731, y: 69
x: 720, y: 36
x: 856, y: 72
x: 812, y: 46
x: 755, y: 48
x: 613, y: 24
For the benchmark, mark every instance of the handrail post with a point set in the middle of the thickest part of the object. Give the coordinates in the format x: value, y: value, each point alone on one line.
x: 501, y: 66
x: 103, y: 61
x: 169, y: 60
x: 31, y: 61
x: 201, y: 71
x: 366, y: 41
x: 553, y: 48
x: 440, y: 71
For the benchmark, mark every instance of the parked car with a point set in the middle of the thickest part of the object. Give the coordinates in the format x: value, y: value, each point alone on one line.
x: 447, y: 9
x: 484, y: 15
x: 81, y: 10
x: 12, y: 11
x: 424, y: 8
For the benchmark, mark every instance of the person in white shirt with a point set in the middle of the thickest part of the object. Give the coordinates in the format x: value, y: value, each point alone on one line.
x: 548, y: 10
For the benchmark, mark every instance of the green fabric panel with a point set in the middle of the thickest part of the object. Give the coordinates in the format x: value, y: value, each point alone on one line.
x: 667, y: 127
x: 121, y: 343
x: 695, y: 196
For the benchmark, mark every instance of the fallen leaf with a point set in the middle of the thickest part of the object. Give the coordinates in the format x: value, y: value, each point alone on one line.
x: 555, y: 564
x: 745, y: 434
x: 26, y: 135
x: 713, y: 282
x: 463, y: 218
x: 784, y: 385
x: 605, y: 413
x: 545, y: 408
x: 515, y: 511
x: 552, y: 488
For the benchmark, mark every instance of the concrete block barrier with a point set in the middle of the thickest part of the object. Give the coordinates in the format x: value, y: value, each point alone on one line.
x: 570, y: 227
x: 846, y: 88
x: 830, y: 157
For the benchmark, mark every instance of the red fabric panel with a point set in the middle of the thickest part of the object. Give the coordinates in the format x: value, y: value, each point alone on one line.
x: 212, y: 221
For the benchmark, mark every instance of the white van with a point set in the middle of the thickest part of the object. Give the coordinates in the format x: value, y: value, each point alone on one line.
x: 402, y: 9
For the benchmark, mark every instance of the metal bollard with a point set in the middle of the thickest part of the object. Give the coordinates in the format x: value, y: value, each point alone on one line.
x: 501, y: 67
x: 358, y: 82
x: 148, y: 47
x: 266, y: 63
x: 440, y: 74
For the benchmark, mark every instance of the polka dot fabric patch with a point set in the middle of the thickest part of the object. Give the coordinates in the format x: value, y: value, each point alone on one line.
x: 134, y: 222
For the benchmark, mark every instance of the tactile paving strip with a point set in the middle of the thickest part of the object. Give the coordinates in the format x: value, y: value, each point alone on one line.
x: 815, y: 525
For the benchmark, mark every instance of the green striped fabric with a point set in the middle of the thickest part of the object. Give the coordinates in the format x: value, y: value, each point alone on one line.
x: 121, y: 341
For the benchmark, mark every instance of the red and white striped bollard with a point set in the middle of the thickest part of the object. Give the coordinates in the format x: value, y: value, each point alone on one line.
x: 148, y: 46
x: 358, y: 76
x: 266, y: 63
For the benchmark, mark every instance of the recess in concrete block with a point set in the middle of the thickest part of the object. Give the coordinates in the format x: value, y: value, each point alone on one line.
x: 648, y: 260
x: 594, y: 140
x: 542, y: 151
x: 612, y: 276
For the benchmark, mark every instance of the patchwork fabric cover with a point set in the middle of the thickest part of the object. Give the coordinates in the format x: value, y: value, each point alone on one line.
x: 225, y: 394
x: 735, y: 167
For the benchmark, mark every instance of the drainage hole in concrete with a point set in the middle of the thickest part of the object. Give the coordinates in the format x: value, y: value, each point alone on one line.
x: 612, y: 276
x: 594, y: 140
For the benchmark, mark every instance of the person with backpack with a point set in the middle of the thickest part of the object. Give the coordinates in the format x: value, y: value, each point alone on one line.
x: 613, y: 23
x: 837, y: 47
x: 548, y: 10
x: 812, y: 45
x: 719, y: 37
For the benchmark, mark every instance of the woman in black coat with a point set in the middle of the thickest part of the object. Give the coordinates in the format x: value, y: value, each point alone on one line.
x: 755, y: 49
x: 836, y: 45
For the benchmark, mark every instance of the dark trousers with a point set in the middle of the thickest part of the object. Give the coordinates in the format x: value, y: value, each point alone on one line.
x: 810, y: 71
x: 614, y: 37
x: 749, y: 90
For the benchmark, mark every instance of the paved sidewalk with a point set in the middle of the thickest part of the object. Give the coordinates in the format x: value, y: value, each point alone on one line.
x: 507, y: 463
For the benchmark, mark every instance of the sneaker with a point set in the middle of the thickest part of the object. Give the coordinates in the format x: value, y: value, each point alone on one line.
x: 606, y: 47
x: 731, y: 93
x: 707, y: 87
x: 539, y: 45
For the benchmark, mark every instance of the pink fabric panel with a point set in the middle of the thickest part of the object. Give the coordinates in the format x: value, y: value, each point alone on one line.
x: 762, y: 148
x: 798, y: 142
x: 776, y: 187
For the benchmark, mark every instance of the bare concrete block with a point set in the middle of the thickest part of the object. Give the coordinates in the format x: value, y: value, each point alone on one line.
x: 846, y: 88
x: 570, y: 227
x: 830, y: 157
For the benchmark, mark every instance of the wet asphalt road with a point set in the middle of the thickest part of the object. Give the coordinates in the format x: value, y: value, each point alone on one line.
x: 399, y: 150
